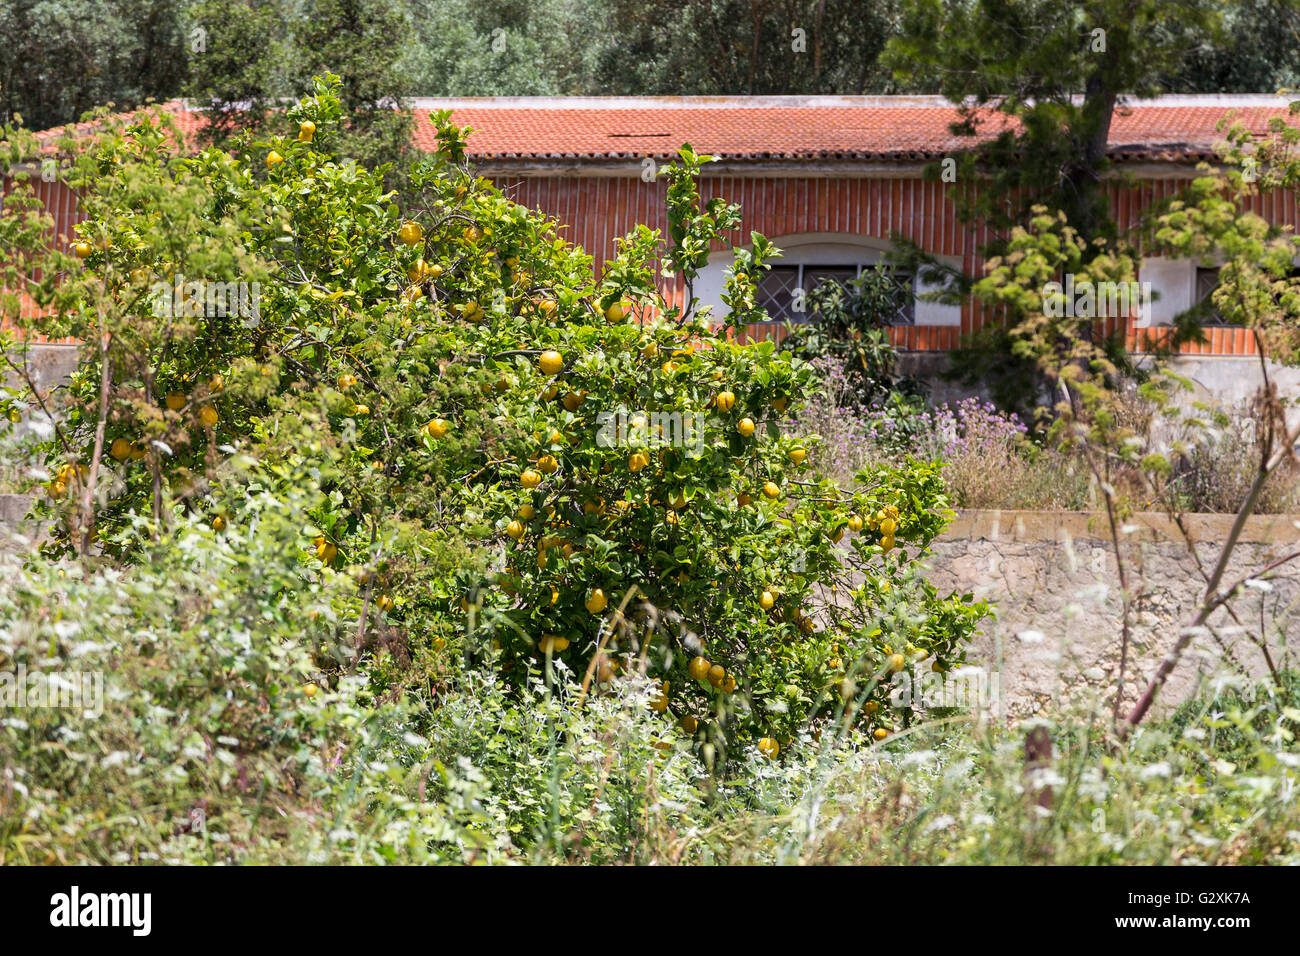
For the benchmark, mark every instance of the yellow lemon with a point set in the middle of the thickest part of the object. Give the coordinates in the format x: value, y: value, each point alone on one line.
x: 411, y: 233
x: 550, y: 362
x: 725, y: 401
x: 552, y: 644
x: 745, y: 427
x: 769, y: 748
x: 659, y: 702
x: 596, y: 602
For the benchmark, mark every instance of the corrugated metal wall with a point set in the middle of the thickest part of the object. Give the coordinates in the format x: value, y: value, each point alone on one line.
x: 596, y: 210
x: 599, y: 209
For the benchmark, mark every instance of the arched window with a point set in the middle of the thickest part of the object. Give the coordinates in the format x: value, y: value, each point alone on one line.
x: 813, y: 258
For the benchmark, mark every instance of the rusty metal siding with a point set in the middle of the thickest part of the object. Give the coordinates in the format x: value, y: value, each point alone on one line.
x: 601, y: 208
x: 594, y: 211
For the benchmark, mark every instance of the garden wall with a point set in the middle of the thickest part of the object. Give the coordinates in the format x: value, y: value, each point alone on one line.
x: 1052, y: 576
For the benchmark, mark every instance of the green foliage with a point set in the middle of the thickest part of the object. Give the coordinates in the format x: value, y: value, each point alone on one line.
x: 204, y: 745
x: 517, y: 461
x: 509, y: 48
x: 1058, y: 71
x: 207, y: 729
x: 1241, y: 722
x: 261, y: 51
x: 712, y: 47
x: 1254, y: 51
x: 61, y: 58
x: 956, y: 794
x: 848, y: 327
x: 244, y: 61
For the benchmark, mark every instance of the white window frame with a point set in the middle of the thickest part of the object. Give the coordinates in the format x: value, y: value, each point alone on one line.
x: 829, y: 249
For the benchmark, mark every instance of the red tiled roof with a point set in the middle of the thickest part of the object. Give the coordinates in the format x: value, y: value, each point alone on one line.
x: 788, y: 129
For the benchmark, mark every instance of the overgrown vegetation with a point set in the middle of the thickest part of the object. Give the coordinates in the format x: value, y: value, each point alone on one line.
x: 488, y: 456
x: 224, y: 733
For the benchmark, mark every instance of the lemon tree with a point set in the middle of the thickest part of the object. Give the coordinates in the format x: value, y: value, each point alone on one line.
x: 521, y: 460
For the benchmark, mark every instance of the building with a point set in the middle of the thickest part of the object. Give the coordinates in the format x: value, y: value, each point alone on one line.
x: 831, y: 180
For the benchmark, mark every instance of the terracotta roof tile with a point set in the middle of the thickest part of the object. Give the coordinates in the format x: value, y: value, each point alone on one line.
x: 789, y: 129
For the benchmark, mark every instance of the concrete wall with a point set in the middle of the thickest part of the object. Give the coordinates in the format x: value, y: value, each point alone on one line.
x: 1223, y: 378
x: 1053, y: 578
x: 49, y: 366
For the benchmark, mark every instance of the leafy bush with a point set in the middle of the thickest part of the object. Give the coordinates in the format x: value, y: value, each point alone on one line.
x: 518, y: 461
x: 206, y: 729
x: 1216, y: 466
x: 848, y: 327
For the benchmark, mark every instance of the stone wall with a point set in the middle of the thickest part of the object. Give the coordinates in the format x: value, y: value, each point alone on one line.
x: 17, y: 533
x: 1053, y: 578
x: 1228, y: 380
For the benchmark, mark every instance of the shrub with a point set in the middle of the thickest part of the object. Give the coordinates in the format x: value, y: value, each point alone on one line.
x: 516, y: 459
x: 214, y: 723
x: 1217, y: 466
x: 848, y: 329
